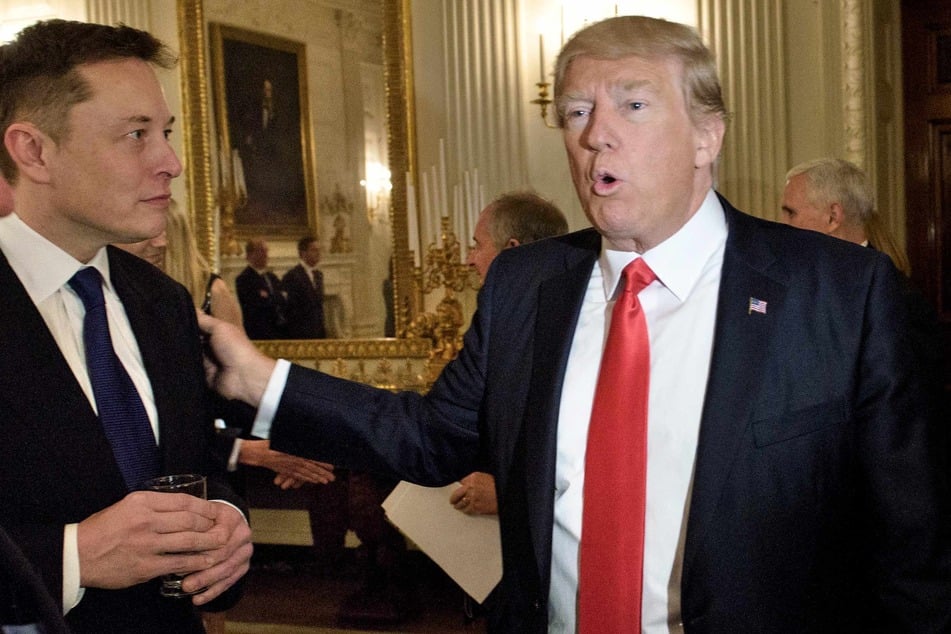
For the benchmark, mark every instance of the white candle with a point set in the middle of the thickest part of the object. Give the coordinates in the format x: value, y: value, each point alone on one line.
x: 426, y: 204
x: 541, y: 58
x: 464, y: 235
x: 412, y: 220
x: 470, y: 199
x: 438, y: 206
x: 443, y: 192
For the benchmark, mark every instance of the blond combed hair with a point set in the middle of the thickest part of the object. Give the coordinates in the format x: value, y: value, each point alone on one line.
x: 648, y: 38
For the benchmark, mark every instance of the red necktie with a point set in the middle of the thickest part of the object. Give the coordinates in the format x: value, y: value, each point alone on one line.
x: 615, y: 477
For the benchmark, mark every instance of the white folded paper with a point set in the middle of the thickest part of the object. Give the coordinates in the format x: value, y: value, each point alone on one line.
x: 466, y: 547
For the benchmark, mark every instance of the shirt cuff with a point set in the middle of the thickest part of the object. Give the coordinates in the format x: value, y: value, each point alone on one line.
x: 271, y: 399
x: 72, y: 592
x: 235, y: 454
x: 232, y: 506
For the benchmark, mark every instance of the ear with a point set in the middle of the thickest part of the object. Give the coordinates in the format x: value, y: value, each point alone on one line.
x: 708, y: 137
x: 512, y: 243
x: 836, y: 217
x: 28, y: 147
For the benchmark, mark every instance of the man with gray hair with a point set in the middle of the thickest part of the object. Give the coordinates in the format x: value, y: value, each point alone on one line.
x: 510, y: 220
x: 835, y: 197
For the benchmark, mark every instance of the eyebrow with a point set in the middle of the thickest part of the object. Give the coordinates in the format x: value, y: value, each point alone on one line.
x: 141, y: 118
x: 628, y: 86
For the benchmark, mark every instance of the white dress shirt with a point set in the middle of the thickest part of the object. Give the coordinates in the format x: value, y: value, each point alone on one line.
x: 63, y: 312
x: 680, y: 309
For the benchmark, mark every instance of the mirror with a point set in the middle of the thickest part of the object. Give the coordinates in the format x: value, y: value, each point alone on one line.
x: 202, y: 143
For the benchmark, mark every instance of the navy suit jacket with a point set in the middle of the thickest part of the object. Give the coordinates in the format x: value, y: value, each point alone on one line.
x: 819, y: 500
x: 305, y: 304
x: 262, y: 305
x: 56, y: 465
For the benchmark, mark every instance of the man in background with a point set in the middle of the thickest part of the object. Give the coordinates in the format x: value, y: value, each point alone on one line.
x: 303, y: 286
x: 85, y: 130
x: 263, y: 306
x: 835, y: 197
x: 510, y: 220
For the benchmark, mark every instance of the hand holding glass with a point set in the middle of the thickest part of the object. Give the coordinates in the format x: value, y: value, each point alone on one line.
x: 192, y: 484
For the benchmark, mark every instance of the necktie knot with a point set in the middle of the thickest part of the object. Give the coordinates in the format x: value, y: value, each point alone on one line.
x: 637, y: 276
x: 87, y: 282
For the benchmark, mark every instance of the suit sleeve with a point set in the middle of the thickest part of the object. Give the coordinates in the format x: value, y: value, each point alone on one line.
x: 431, y: 440
x: 902, y: 454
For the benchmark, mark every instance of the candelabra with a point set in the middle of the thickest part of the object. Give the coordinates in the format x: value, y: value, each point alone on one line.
x: 442, y: 268
x: 543, y: 101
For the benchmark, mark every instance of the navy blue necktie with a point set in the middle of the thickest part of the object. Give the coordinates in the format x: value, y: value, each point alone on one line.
x: 121, y: 412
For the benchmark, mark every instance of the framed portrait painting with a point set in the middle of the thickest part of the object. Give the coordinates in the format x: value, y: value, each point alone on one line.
x: 265, y: 159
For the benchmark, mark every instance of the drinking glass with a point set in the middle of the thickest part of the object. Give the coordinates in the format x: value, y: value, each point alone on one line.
x: 192, y: 484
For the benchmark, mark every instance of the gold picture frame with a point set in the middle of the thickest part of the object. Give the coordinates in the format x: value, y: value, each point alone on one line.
x: 266, y: 154
x: 204, y: 201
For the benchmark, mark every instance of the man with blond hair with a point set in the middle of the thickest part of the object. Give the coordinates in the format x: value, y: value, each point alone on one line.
x: 740, y: 439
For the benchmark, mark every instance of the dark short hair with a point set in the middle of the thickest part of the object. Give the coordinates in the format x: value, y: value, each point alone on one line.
x: 39, y: 77
x: 525, y: 216
x: 304, y: 243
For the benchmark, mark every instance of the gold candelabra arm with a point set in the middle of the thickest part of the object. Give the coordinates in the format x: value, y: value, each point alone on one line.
x: 543, y: 101
x: 443, y: 266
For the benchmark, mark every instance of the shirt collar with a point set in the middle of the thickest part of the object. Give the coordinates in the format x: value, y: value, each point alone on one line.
x: 43, y: 267
x: 677, y: 261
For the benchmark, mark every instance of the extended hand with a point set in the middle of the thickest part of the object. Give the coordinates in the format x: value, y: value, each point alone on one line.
x: 293, y: 471
x: 236, y: 368
x: 476, y: 496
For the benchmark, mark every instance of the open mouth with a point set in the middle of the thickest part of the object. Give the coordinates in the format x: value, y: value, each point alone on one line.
x: 603, y: 181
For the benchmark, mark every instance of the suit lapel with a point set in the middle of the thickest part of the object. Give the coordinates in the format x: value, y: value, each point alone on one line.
x: 25, y: 339
x: 741, y: 338
x: 559, y: 302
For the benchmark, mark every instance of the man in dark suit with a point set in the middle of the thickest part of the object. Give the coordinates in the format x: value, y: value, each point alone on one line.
x: 85, y: 128
x: 263, y: 306
x: 794, y: 477
x: 835, y: 197
x: 304, y: 287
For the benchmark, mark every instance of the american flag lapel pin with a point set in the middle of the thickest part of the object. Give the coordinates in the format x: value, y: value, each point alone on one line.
x: 756, y: 306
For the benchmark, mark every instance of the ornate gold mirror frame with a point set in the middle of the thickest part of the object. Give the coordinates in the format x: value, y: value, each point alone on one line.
x: 197, y: 155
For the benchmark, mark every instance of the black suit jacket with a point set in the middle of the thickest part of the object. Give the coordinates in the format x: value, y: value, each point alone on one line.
x: 819, y: 502
x: 262, y: 306
x: 305, y: 304
x: 24, y: 598
x: 56, y: 465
